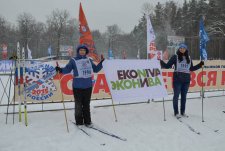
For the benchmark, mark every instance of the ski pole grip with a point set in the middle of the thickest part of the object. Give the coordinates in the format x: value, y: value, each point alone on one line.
x: 102, y: 57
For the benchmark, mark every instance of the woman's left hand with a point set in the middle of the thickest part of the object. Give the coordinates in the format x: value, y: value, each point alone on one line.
x: 201, y: 63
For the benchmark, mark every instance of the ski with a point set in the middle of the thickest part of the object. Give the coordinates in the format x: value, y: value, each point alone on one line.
x: 106, y: 132
x: 214, y: 130
x: 211, y: 129
x: 189, y: 126
x: 18, y: 77
x: 24, y: 86
x: 99, y: 130
x: 80, y: 128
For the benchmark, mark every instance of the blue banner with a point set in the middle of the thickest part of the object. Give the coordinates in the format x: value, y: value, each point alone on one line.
x: 6, y: 65
x: 203, y: 40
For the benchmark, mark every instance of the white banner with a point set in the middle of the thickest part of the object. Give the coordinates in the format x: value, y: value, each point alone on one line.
x: 150, y: 34
x: 151, y: 47
x: 134, y: 80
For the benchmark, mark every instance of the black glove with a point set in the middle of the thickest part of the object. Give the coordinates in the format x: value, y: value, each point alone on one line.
x: 13, y: 57
x: 161, y: 62
x: 58, y: 69
x: 201, y: 63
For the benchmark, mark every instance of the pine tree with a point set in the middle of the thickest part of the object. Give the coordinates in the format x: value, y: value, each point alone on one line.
x: 215, y: 19
x: 140, y: 36
x: 185, y: 19
x: 177, y: 26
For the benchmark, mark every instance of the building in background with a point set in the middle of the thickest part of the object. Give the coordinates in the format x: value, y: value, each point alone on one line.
x: 173, y: 44
x: 66, y: 52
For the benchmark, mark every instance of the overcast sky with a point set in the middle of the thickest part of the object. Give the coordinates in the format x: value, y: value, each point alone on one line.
x: 99, y: 13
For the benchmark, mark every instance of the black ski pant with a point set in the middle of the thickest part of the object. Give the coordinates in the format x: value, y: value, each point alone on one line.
x: 180, y: 88
x: 82, y: 99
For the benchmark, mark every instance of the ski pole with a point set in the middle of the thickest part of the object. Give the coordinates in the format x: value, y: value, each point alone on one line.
x: 102, y: 57
x: 114, y: 111
x: 62, y: 97
x: 164, y: 109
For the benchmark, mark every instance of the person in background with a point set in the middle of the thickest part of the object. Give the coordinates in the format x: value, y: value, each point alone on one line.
x: 181, y: 77
x: 83, y: 68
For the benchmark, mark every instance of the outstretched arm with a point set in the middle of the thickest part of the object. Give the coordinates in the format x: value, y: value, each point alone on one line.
x: 196, y: 67
x: 68, y: 68
x: 169, y: 63
x: 98, y: 67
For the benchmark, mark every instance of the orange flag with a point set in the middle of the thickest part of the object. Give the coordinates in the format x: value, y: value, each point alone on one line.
x: 86, y: 37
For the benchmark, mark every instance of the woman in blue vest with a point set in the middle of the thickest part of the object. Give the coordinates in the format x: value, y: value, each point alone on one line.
x: 181, y: 77
x: 82, y: 67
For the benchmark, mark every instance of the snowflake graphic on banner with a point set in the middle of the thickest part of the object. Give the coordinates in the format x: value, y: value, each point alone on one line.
x: 40, y: 85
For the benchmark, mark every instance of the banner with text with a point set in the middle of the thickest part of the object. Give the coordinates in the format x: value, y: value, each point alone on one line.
x: 134, y: 80
x: 41, y: 86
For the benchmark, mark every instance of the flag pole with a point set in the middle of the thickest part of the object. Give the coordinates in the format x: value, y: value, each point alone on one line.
x: 202, y: 96
x: 203, y: 40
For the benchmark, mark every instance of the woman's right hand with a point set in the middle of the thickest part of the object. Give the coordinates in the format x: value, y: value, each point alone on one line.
x: 58, y: 69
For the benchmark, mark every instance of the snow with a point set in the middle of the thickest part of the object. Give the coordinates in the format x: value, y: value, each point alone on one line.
x: 142, y: 124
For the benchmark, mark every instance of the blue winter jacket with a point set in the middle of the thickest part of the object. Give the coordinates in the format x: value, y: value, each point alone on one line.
x: 81, y: 83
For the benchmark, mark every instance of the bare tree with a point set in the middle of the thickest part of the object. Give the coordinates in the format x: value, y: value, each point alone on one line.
x: 57, y: 22
x: 26, y: 24
x: 2, y: 30
x: 37, y: 40
x: 100, y: 42
x: 112, y: 32
x: 8, y: 35
x: 71, y: 36
x: 147, y: 8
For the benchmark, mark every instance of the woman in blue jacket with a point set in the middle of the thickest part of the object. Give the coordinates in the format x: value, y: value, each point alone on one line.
x: 181, y: 76
x: 82, y: 67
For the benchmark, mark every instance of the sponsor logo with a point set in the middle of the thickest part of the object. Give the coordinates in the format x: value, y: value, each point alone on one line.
x: 40, y: 85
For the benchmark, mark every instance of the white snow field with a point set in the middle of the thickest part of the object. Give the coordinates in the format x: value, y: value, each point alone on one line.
x: 142, y: 125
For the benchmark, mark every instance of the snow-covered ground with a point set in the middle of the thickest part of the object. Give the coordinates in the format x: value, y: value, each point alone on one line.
x: 142, y: 125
